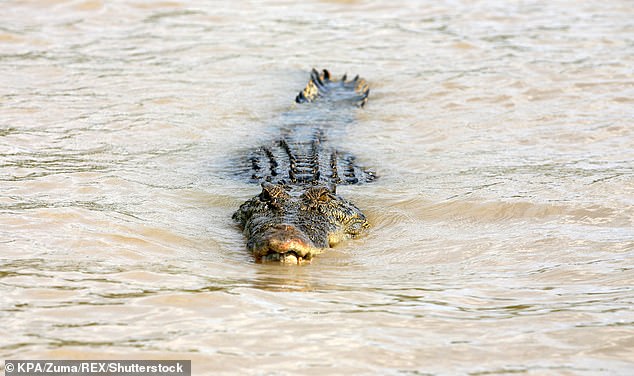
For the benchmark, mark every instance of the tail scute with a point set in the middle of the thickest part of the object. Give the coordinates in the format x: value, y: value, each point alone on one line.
x: 321, y: 88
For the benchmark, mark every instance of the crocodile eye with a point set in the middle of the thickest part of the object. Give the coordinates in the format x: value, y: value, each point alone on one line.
x: 272, y: 194
x: 265, y: 196
x: 324, y: 195
x: 318, y: 195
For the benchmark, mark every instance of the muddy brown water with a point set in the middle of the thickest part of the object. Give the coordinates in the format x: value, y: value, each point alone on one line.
x: 502, y: 237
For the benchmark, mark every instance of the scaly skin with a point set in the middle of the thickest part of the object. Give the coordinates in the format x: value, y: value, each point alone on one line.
x: 292, y: 225
x: 298, y: 213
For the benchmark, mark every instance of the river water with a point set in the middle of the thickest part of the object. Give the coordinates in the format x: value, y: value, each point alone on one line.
x: 502, y: 238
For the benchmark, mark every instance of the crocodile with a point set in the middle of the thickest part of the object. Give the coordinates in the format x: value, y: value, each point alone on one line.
x: 298, y: 213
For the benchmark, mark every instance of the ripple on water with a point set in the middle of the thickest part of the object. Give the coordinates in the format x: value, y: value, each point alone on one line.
x: 501, y: 238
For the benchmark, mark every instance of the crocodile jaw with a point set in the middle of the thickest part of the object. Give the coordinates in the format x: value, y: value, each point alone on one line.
x: 283, y: 243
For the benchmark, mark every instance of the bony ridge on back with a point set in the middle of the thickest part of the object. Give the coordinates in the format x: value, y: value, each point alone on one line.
x: 298, y: 213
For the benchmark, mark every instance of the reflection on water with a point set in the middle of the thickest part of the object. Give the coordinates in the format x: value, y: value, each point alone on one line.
x: 501, y: 237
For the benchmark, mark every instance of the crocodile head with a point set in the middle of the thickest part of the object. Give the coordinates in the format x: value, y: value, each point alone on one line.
x: 291, y: 225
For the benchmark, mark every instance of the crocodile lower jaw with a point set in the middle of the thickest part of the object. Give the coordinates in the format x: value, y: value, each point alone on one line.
x: 286, y: 258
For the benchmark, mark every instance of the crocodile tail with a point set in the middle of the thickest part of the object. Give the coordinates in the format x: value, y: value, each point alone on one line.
x: 321, y: 87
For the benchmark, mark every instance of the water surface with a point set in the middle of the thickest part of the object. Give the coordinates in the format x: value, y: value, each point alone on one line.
x: 502, y: 237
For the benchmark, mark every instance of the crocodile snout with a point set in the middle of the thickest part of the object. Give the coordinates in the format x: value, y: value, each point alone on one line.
x: 283, y: 243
